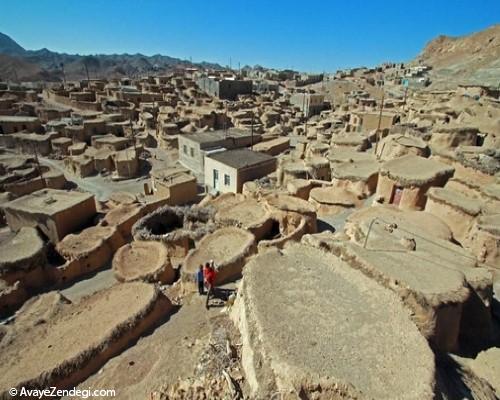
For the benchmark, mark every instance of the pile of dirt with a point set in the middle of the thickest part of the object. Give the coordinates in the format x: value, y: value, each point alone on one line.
x: 219, y: 373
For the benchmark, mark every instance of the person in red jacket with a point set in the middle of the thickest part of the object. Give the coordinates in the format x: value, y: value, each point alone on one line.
x: 210, y: 275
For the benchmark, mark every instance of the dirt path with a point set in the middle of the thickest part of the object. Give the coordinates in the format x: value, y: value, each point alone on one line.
x: 100, y: 186
x: 170, y: 352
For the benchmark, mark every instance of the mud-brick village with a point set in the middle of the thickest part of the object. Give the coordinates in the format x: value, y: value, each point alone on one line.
x: 174, y: 229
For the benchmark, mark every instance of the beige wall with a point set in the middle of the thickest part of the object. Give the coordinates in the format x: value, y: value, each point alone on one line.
x: 210, y: 165
x: 178, y: 194
x: 236, y: 177
x: 54, y: 226
x: 459, y: 222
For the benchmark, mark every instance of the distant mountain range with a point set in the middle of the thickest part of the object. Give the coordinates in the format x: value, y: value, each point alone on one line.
x: 19, y: 64
x: 473, y: 58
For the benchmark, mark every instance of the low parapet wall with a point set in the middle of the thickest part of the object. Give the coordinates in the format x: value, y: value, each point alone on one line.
x: 228, y: 247
x: 176, y: 227
x: 145, y: 261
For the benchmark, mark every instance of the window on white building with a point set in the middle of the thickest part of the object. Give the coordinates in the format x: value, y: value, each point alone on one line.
x: 227, y: 180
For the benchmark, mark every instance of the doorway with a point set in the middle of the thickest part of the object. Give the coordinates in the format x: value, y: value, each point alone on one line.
x: 216, y: 179
x: 397, y: 193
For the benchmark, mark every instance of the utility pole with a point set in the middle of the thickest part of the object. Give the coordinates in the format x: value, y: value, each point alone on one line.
x: 135, y: 147
x: 252, y: 131
x: 379, y: 121
x: 87, y: 72
x: 64, y: 74
x: 132, y: 134
x: 37, y: 161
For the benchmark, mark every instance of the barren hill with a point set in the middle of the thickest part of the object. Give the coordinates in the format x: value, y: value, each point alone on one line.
x: 467, y: 59
x: 18, y: 68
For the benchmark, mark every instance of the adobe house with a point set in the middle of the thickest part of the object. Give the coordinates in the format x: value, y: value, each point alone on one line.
x: 299, y: 188
x: 451, y: 136
x: 368, y: 121
x: 404, y: 181
x: 483, y: 240
x: 289, y: 205
x: 126, y: 164
x: 56, y: 212
x: 477, y: 91
x: 50, y: 113
x: 110, y: 142
x: 474, y: 168
x: 287, y: 171
x: 309, y: 103
x: 318, y: 168
x: 458, y: 211
x: 358, y: 177
x: 176, y: 184
x: 30, y: 143
x: 227, y: 171
x: 120, y: 314
x: 22, y: 267
x: 13, y: 124
x: 61, y: 145
x: 49, y: 179
x: 77, y: 148
x: 491, y: 196
x: 146, y: 261
x: 355, y: 141
x: 317, y: 149
x: 103, y: 159
x: 167, y: 134
x: 268, y: 305
x: 339, y: 155
x: 224, y: 88
x: 123, y: 217
x: 229, y: 247
x: 249, y: 214
x: 394, y: 146
x: 439, y: 281
x: 273, y: 147
x: 80, y: 165
x: 330, y: 201
x: 75, y: 133
x: 90, y: 249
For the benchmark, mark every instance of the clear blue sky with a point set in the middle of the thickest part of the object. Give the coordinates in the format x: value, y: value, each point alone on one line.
x: 305, y: 35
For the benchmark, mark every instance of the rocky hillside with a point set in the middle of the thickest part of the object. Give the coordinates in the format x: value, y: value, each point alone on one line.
x: 18, y: 69
x: 467, y: 59
x: 18, y: 63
